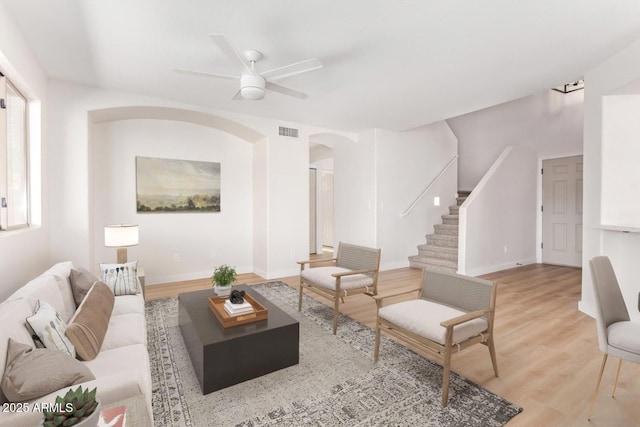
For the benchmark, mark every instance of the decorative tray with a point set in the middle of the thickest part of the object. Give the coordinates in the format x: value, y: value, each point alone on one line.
x: 216, y: 305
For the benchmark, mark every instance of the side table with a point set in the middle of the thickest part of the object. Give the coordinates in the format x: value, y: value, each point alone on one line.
x: 141, y: 279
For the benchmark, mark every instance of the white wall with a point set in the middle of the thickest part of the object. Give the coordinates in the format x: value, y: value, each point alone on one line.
x: 287, y: 211
x: 281, y: 214
x: 354, y: 180
x: 261, y: 208
x: 620, y: 160
x: 283, y: 162
x: 406, y: 163
x: 550, y: 123
x: 201, y: 241
x: 25, y: 253
x: 498, y: 220
x: 602, y: 81
x: 379, y: 176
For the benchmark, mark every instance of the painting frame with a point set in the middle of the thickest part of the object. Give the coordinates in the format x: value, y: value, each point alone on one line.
x: 177, y: 186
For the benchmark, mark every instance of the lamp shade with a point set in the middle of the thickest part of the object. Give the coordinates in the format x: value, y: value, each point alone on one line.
x: 118, y: 236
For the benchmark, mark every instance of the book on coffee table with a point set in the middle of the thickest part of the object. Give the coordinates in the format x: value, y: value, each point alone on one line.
x: 113, y: 417
x: 237, y: 309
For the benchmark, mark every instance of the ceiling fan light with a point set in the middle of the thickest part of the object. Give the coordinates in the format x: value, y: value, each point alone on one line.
x: 252, y: 93
x: 252, y: 87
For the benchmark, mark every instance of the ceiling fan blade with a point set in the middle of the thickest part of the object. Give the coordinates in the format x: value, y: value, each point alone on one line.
x: 232, y: 53
x: 285, y: 90
x: 238, y: 96
x: 205, y: 74
x: 292, y: 69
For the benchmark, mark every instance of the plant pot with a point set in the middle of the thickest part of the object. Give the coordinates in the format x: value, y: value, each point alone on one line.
x: 223, y: 291
x: 91, y: 420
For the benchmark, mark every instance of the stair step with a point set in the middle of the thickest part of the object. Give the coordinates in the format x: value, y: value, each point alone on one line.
x: 450, y: 219
x: 463, y: 193
x: 442, y: 240
x: 441, y: 252
x: 417, y: 261
x: 460, y: 200
x: 454, y: 210
x: 446, y: 229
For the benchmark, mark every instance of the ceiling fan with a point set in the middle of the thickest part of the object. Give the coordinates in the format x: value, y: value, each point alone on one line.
x: 252, y: 83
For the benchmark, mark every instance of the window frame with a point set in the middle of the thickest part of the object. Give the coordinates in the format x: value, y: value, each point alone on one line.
x: 5, y: 200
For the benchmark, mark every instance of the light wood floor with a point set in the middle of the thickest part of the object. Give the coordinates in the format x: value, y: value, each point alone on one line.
x: 547, y: 349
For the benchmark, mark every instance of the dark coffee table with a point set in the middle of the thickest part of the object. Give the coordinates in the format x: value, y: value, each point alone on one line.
x: 222, y: 357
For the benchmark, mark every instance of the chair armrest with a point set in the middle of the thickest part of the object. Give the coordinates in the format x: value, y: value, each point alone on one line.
x: 316, y: 261
x: 352, y: 272
x: 379, y: 299
x: 464, y: 318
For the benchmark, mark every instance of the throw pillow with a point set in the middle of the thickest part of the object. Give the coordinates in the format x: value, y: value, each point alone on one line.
x: 35, y: 372
x: 121, y: 278
x: 50, y: 329
x: 88, y: 326
x: 81, y: 282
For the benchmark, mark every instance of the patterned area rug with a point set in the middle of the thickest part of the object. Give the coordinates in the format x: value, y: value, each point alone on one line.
x: 335, y: 383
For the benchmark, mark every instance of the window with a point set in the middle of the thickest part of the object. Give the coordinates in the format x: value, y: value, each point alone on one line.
x: 14, y: 174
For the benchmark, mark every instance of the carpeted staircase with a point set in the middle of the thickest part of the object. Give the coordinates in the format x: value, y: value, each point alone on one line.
x: 441, y: 250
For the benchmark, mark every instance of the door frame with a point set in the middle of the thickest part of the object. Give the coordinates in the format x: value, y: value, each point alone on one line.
x: 539, y: 199
x: 313, y: 210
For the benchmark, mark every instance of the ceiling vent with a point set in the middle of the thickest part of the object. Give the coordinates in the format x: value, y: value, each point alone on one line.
x: 290, y: 132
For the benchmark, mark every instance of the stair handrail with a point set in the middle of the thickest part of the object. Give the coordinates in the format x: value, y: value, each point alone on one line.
x: 428, y: 187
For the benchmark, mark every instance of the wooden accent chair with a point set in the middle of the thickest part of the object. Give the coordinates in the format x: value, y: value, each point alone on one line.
x: 617, y: 335
x: 452, y: 312
x: 355, y: 271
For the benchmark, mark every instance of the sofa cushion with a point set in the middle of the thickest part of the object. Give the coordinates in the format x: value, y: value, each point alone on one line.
x: 31, y: 373
x: 43, y: 288
x: 323, y: 276
x: 89, y: 324
x: 121, y: 278
x: 424, y: 317
x: 124, y: 330
x: 12, y: 325
x: 50, y: 328
x: 61, y: 271
x: 131, y: 358
x: 81, y: 281
x: 129, y: 304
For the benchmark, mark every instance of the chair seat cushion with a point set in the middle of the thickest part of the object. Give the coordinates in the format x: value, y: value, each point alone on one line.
x: 423, y: 318
x: 625, y: 336
x: 322, y: 276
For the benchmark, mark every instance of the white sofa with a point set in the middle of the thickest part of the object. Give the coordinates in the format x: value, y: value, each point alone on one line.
x: 121, y: 368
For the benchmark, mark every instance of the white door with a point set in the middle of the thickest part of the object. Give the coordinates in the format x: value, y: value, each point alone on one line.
x: 562, y: 211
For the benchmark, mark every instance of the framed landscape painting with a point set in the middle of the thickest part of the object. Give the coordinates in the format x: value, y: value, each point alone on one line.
x: 169, y: 185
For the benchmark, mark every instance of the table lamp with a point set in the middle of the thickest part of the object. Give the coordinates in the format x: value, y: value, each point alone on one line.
x: 120, y: 236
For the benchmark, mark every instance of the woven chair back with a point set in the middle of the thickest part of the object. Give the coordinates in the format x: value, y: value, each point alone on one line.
x: 467, y: 295
x: 356, y: 257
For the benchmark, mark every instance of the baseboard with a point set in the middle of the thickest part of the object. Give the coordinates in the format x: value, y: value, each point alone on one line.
x: 498, y: 267
x: 260, y: 272
x: 393, y: 265
x: 183, y: 277
x: 588, y: 309
x: 281, y: 273
x: 157, y: 280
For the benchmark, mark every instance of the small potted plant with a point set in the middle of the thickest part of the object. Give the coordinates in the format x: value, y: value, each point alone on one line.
x: 77, y: 408
x: 222, y: 279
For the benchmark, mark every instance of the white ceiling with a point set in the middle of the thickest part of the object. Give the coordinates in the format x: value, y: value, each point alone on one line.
x: 393, y: 64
